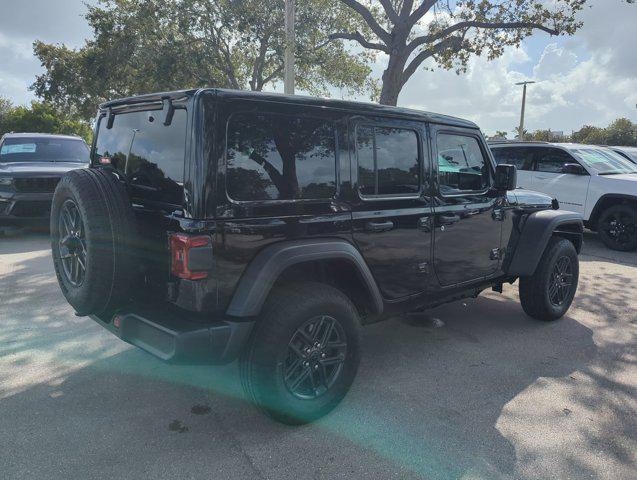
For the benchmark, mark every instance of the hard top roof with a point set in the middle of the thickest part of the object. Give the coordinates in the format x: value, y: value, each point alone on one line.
x: 362, y: 107
x: 42, y: 135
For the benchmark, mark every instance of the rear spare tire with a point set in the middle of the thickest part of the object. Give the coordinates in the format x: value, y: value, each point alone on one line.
x: 92, y: 238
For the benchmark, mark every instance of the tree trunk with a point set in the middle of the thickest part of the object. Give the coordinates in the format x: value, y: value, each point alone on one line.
x: 392, y: 80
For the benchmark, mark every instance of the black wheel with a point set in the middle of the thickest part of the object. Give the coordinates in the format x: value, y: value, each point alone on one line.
x: 72, y: 243
x: 549, y: 292
x: 617, y: 227
x: 303, y: 354
x: 92, y: 236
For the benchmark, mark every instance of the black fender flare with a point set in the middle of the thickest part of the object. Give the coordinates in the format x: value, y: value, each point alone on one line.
x: 534, y: 234
x: 261, y: 274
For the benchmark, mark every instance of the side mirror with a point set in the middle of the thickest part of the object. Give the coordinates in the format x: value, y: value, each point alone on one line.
x: 573, y: 169
x: 506, y: 177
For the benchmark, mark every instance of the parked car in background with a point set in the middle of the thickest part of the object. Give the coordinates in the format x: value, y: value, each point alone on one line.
x: 214, y: 225
x: 594, y: 181
x: 629, y: 152
x: 31, y: 165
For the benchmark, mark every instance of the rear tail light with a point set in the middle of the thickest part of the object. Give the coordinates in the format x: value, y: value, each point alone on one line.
x: 190, y: 256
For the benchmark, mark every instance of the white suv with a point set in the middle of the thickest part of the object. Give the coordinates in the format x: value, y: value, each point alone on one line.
x: 594, y: 181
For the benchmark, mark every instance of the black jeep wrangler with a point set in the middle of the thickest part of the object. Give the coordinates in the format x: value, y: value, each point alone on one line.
x: 214, y: 225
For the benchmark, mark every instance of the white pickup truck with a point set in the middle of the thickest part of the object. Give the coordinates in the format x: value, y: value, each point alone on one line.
x: 596, y: 182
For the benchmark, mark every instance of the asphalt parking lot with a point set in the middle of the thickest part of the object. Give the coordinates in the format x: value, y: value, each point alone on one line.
x: 490, y: 394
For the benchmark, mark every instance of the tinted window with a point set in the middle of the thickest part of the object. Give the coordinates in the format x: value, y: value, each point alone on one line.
x: 113, y: 144
x: 461, y: 165
x: 551, y: 160
x: 387, y: 161
x: 155, y: 163
x: 276, y: 157
x: 522, y: 158
x: 43, y: 149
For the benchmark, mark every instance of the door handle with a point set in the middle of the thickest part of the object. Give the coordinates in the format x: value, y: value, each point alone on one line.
x: 377, y: 227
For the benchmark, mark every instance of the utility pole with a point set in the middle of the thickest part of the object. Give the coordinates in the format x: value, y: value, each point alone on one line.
x: 288, y: 74
x: 521, y: 127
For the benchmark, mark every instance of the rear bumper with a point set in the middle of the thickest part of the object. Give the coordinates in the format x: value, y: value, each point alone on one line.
x: 175, y: 339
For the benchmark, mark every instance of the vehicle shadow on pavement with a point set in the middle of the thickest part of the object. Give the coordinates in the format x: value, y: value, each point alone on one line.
x: 472, y: 398
x: 425, y: 405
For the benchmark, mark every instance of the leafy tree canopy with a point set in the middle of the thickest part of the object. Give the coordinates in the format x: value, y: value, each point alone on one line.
x: 412, y: 31
x: 40, y: 118
x: 142, y: 46
x: 621, y: 132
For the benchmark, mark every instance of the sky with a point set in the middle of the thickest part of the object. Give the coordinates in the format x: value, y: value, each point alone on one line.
x: 587, y: 79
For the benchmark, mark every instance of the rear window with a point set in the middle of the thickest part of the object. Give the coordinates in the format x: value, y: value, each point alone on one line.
x: 42, y: 149
x: 149, y: 153
x: 279, y: 157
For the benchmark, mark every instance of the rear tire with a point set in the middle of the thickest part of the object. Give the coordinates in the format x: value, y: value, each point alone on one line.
x: 545, y: 295
x: 294, y: 368
x: 92, y: 219
x: 617, y: 228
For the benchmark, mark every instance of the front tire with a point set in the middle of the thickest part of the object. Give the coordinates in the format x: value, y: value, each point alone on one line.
x: 303, y: 354
x: 548, y: 293
x: 617, y: 228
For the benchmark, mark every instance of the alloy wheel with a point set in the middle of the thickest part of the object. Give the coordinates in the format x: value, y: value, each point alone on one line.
x: 315, y: 357
x: 72, y: 243
x: 561, y: 281
x: 620, y: 227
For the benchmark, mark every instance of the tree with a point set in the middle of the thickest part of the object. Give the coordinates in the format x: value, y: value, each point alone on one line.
x: 42, y: 118
x: 547, y: 136
x: 588, y: 134
x: 516, y: 131
x: 621, y: 132
x: 412, y: 31
x: 141, y: 46
x: 498, y: 135
x: 5, y: 107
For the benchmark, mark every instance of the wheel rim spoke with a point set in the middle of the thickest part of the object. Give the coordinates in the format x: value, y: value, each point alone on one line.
x: 300, y: 379
x: 315, y: 358
x: 561, y: 281
x: 72, y: 246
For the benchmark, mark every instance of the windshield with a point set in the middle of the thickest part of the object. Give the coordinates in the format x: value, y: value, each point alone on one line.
x: 630, y: 152
x: 604, y: 161
x: 42, y: 149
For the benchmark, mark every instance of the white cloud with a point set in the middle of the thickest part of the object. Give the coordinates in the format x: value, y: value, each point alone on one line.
x: 571, y: 91
x: 554, y: 61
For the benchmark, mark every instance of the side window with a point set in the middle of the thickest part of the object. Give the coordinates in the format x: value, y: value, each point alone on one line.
x: 522, y: 158
x: 277, y: 157
x: 461, y: 165
x: 387, y: 161
x: 151, y: 154
x: 551, y: 160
